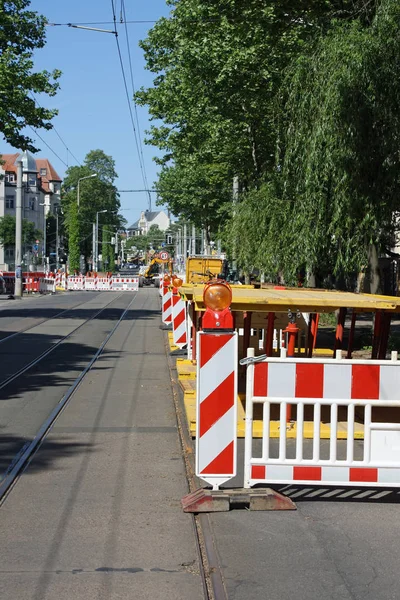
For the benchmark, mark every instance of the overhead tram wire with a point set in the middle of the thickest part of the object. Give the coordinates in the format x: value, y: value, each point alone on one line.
x: 55, y: 130
x: 49, y: 147
x: 144, y: 178
x: 123, y: 13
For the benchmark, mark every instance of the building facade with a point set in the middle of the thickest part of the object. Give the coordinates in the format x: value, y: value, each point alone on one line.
x: 41, y: 195
x: 147, y: 219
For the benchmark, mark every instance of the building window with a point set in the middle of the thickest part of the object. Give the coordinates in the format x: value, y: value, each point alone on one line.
x: 43, y: 172
x: 9, y: 253
x: 31, y: 179
x: 9, y: 201
x: 10, y: 177
x: 55, y: 208
x: 31, y: 203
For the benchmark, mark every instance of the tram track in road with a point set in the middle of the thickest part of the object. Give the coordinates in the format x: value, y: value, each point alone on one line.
x: 44, y: 354
x: 24, y: 457
x: 56, y: 316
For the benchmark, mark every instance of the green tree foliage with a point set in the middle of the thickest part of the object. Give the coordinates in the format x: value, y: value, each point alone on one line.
x: 7, y: 231
x: 108, y: 249
x: 73, y: 227
x: 21, y: 32
x: 299, y: 100
x: 95, y: 194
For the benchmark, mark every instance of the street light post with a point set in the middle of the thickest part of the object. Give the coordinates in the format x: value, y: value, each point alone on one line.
x: 81, y: 179
x: 44, y: 237
x: 96, y: 254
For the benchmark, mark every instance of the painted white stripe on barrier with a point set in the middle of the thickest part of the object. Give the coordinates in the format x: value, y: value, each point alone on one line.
x: 215, y: 440
x: 216, y: 370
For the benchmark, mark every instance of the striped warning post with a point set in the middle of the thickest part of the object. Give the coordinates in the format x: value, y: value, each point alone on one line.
x: 216, y: 412
x: 166, y: 304
x: 178, y: 319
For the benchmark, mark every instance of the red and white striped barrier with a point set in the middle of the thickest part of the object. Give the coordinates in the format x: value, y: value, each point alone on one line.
x: 91, y: 283
x: 178, y: 320
x: 125, y: 284
x: 328, y: 386
x: 47, y: 285
x: 216, y: 411
x: 166, y: 304
x: 76, y: 283
x: 104, y: 283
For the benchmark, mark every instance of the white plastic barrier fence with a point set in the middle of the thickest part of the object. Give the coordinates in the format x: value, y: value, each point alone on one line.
x: 325, y: 386
x: 76, y: 283
x: 47, y: 285
x: 125, y: 284
x: 91, y: 283
x: 104, y: 283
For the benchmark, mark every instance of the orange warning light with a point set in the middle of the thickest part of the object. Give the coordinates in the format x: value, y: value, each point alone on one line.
x: 217, y: 297
x: 177, y: 281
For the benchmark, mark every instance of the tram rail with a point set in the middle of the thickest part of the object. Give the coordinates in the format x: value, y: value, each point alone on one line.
x: 44, y: 354
x: 23, y: 459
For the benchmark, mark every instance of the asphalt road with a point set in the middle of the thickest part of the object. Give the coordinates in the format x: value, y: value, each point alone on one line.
x: 97, y: 513
x: 97, y: 516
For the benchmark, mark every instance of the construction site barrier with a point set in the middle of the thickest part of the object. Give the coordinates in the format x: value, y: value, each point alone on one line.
x: 328, y: 390
x: 216, y: 411
x: 31, y: 284
x: 178, y: 320
x: 125, y: 284
x: 104, y: 283
x: 47, y: 285
x: 166, y: 303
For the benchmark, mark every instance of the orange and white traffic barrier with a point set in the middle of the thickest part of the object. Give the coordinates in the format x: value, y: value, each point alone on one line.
x: 178, y: 314
x: 104, y: 283
x: 329, y: 386
x: 166, y: 309
x: 76, y: 282
x: 216, y: 418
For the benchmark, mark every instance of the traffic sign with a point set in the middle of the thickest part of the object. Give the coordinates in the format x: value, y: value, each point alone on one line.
x: 164, y: 255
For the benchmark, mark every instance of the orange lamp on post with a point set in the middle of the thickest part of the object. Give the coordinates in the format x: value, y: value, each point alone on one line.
x: 177, y: 281
x: 217, y: 297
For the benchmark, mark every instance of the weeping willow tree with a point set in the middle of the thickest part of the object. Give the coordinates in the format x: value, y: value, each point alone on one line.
x: 329, y: 205
x: 339, y: 138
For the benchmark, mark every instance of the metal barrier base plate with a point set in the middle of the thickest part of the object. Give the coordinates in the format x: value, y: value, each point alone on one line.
x: 202, y: 500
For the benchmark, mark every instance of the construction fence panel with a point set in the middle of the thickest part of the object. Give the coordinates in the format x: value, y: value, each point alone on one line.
x: 47, y: 285
x: 362, y: 395
x: 125, y: 284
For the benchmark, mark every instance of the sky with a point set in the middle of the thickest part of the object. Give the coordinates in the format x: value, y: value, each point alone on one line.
x: 92, y: 102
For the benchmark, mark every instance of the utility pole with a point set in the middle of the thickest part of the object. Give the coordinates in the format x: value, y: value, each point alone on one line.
x: 185, y: 242
x: 235, y: 199
x: 18, y: 233
x: 94, y: 247
x: 57, y: 243
x: 193, y: 250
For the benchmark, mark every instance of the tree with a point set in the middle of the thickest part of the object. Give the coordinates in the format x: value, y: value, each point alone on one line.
x: 95, y: 194
x: 21, y: 32
x: 7, y: 231
x: 72, y: 224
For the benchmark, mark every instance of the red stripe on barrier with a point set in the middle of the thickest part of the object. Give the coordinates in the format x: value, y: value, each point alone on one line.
x: 309, y: 381
x: 365, y: 382
x: 307, y: 473
x: 211, y: 347
x: 258, y: 472
x: 217, y: 404
x: 360, y: 474
x: 223, y: 463
x: 261, y: 379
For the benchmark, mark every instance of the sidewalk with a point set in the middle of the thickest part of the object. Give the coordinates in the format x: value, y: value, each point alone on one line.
x: 97, y: 514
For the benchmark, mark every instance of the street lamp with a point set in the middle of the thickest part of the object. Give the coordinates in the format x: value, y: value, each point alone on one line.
x: 44, y: 237
x: 96, y: 253
x: 81, y: 179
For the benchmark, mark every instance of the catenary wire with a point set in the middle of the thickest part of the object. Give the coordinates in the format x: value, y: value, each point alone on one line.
x: 128, y: 100
x: 55, y: 130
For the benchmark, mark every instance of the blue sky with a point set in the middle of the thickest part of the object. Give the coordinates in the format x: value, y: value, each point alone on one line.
x: 93, y: 109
